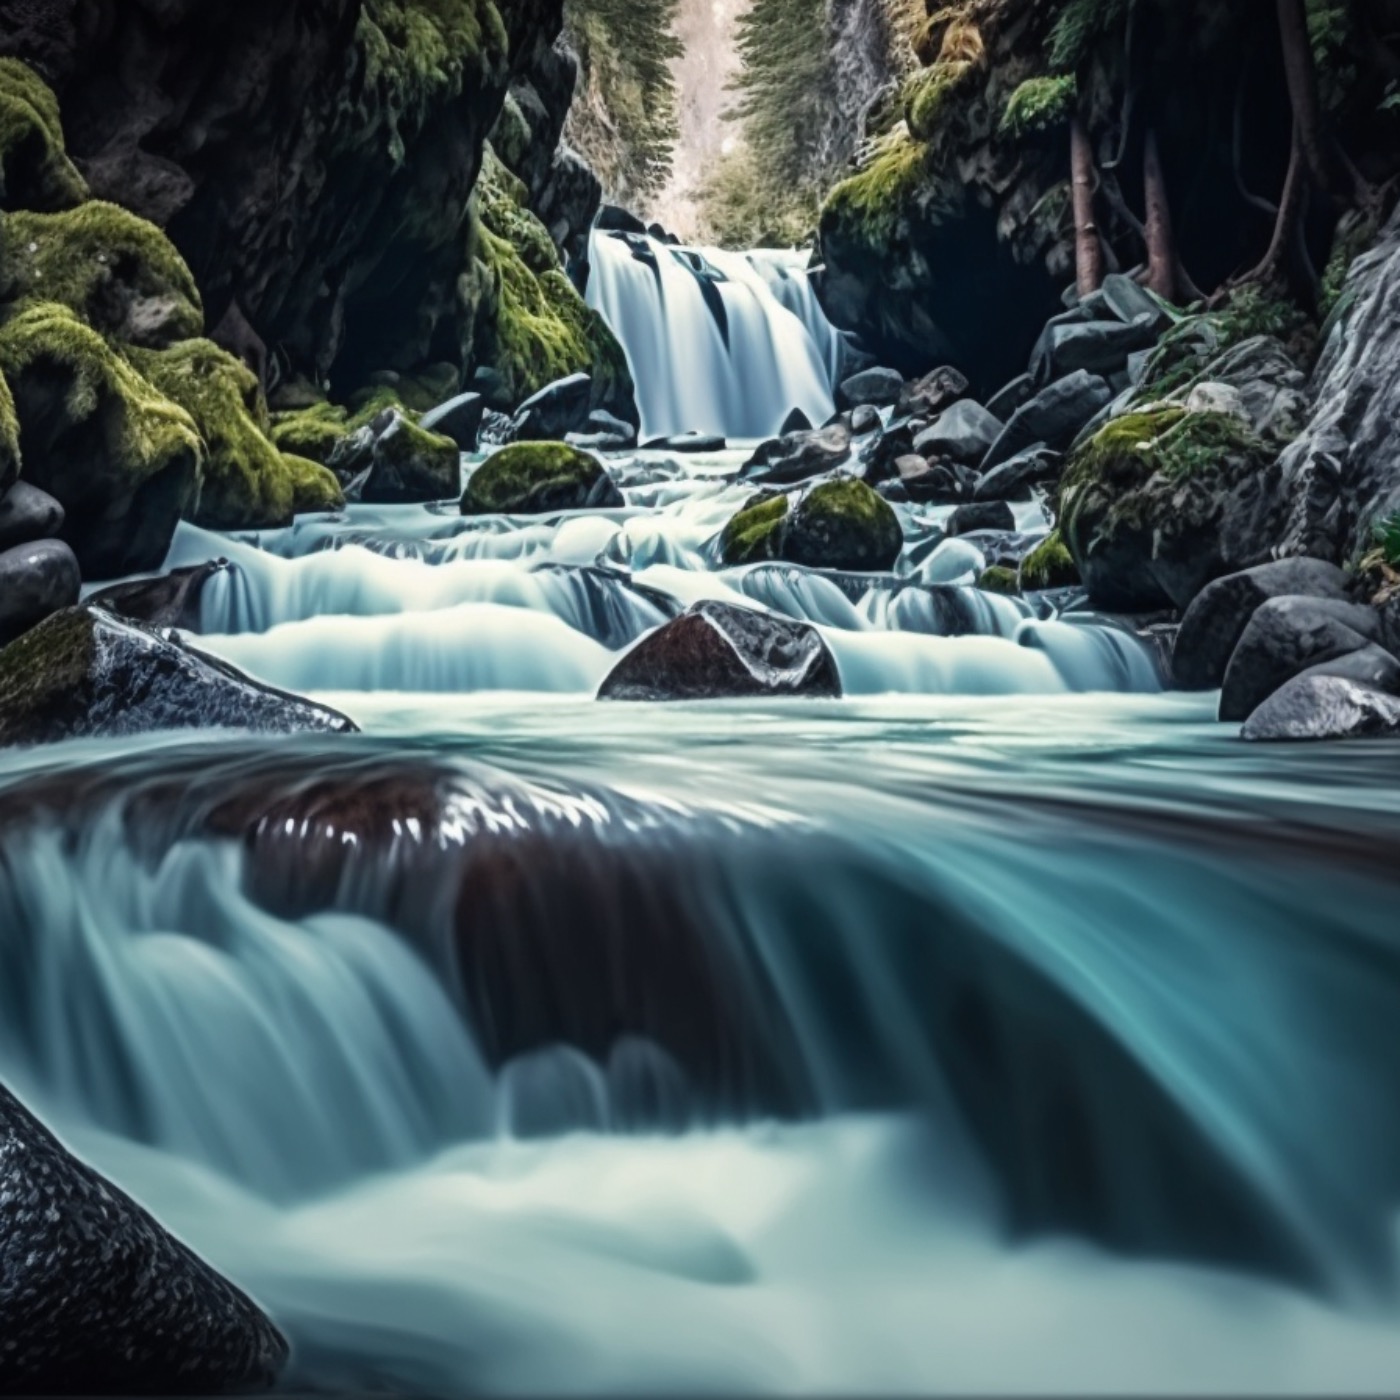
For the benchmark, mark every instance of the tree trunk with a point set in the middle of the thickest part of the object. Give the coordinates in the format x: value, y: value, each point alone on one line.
x: 1088, y: 251
x: 1274, y: 268
x: 1161, y: 243
x: 1300, y: 68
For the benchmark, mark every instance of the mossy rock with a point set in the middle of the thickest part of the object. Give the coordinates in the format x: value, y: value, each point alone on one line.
x: 122, y: 459
x: 247, y: 484
x: 1001, y: 580
x: 840, y: 524
x: 315, y: 490
x: 1049, y: 565
x: 536, y: 478
x: 9, y: 438
x: 311, y: 433
x: 868, y: 209
x: 118, y: 273
x: 411, y: 467
x: 35, y: 172
x: 1157, y: 503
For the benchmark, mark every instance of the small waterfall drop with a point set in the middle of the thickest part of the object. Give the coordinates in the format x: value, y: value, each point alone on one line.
x: 718, y: 342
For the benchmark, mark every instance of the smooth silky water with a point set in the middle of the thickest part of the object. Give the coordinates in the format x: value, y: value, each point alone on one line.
x: 1007, y: 1025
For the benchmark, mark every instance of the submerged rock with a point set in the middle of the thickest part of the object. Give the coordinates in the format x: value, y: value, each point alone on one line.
x: 97, y: 1298
x: 538, y: 478
x: 85, y: 673
x: 715, y: 651
x: 1316, y: 706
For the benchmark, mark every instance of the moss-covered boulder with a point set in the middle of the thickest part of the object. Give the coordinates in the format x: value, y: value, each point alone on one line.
x: 247, y: 482
x: 840, y: 524
x: 408, y: 466
x: 314, y: 488
x: 1049, y: 565
x: 312, y: 433
x: 116, y: 272
x: 1000, y: 580
x: 1161, y: 501
x: 122, y: 459
x: 537, y: 478
x: 35, y: 172
x: 9, y: 438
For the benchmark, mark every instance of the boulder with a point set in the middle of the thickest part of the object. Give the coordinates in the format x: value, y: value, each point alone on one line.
x: 97, y: 1298
x: 35, y: 172
x: 601, y: 421
x: 1284, y: 638
x: 799, y: 456
x: 1049, y: 565
x: 122, y: 460
x: 1009, y: 398
x: 169, y: 600
x: 1131, y: 302
x: 1012, y: 481
x: 795, y: 422
x: 1053, y: 417
x: 839, y: 524
x: 688, y: 443
x: 879, y: 455
x: 964, y: 432
x: 409, y: 466
x: 84, y: 673
x: 558, y: 409
x: 985, y: 515
x: 28, y: 514
x: 1216, y: 620
x: 539, y: 478
x: 929, y: 396
x: 927, y: 482
x: 716, y: 651
x: 865, y: 420
x: 1100, y: 347
x: 459, y: 419
x: 1319, y: 706
x: 874, y: 388
x: 614, y: 219
x: 36, y: 580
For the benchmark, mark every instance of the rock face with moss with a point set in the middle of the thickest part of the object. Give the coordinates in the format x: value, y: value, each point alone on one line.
x: 35, y: 172
x: 840, y: 524
x: 538, y: 478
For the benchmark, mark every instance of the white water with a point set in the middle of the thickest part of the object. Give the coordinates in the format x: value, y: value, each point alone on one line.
x: 776, y: 351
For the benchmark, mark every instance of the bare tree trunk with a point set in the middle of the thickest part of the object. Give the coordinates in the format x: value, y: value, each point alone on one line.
x: 1161, y: 242
x: 1088, y: 250
x: 1300, y: 68
x: 1274, y: 268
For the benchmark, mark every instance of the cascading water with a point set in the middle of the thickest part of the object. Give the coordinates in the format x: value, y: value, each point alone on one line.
x: 718, y: 342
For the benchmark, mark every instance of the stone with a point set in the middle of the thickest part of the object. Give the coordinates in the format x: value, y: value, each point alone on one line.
x: 1100, y: 347
x: 963, y: 432
x: 688, y: 443
x: 557, y: 410
x: 601, y: 421
x: 1216, y: 620
x: 539, y: 478
x: 879, y: 455
x: 843, y: 524
x: 1129, y: 302
x: 459, y: 419
x: 985, y: 515
x: 1012, y: 481
x: 36, y: 580
x: 929, y: 483
x: 28, y: 514
x: 717, y: 651
x: 865, y: 420
x: 871, y: 388
x: 97, y: 1298
x: 169, y: 600
x: 1321, y: 706
x: 85, y: 673
x: 1053, y: 417
x: 1012, y: 396
x: 929, y: 396
x: 1284, y: 638
x: 795, y: 422
x: 613, y: 219
x: 799, y: 456
x: 409, y: 466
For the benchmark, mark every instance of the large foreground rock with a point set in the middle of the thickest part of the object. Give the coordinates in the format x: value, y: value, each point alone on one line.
x: 97, y: 1298
x: 716, y: 651
x: 538, y: 478
x: 1324, y: 707
x: 85, y: 673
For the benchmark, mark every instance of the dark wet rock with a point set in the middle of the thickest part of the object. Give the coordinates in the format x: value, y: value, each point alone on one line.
x: 964, y: 432
x: 985, y: 515
x: 1319, y: 706
x: 85, y: 673
x: 928, y: 397
x: 895, y: 492
x: 539, y: 478
x: 1008, y: 399
x: 840, y: 524
x: 1012, y: 481
x: 408, y: 466
x: 927, y: 482
x: 715, y: 651
x: 799, y: 456
x: 688, y: 443
x: 171, y: 600
x: 1216, y: 621
x: 36, y: 580
x: 600, y: 421
x: 97, y: 1298
x: 796, y: 422
x: 875, y: 388
x: 1100, y: 347
x: 613, y: 219
x: 879, y: 455
x: 1129, y: 302
x: 458, y: 419
x: 864, y: 420
x: 557, y: 410
x: 28, y: 514
x: 1284, y: 638
x: 1053, y: 417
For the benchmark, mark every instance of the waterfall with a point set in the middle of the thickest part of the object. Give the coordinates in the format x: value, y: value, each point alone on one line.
x: 718, y: 342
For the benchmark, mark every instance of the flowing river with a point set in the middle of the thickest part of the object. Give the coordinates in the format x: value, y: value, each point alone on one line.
x: 1006, y: 1025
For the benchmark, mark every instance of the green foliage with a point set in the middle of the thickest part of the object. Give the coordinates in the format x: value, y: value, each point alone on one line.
x: 1387, y: 535
x: 1049, y: 565
x: 35, y: 171
x: 1354, y: 235
x: 871, y: 204
x: 9, y: 436
x: 625, y: 118
x: 1331, y: 34
x: 1040, y: 104
x: 1081, y: 24
x: 755, y: 534
x: 744, y: 210
x: 930, y: 94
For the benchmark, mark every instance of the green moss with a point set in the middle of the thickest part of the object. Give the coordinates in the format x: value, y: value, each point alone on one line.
x: 311, y: 433
x: 314, y: 489
x: 849, y: 502
x: 843, y: 524
x: 1049, y: 565
x: 756, y: 532
x: 999, y: 579
x: 367, y: 404
x: 931, y: 94
x: 9, y: 437
x: 35, y: 171
x: 247, y: 484
x: 49, y: 661
x: 116, y: 272
x: 1081, y: 24
x: 871, y: 205
x: 1040, y: 104
x: 529, y: 476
